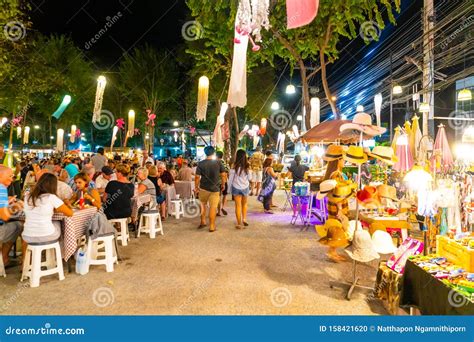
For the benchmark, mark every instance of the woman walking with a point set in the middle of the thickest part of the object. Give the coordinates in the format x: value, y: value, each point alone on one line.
x: 239, y: 181
x: 268, y: 185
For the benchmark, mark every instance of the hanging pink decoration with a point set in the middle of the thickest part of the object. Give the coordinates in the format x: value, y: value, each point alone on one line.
x: 263, y: 127
x: 136, y: 131
x: 17, y: 121
x: 151, y: 118
x: 120, y: 123
x: 442, y: 158
x: 300, y: 12
x: 78, y: 133
x: 192, y: 130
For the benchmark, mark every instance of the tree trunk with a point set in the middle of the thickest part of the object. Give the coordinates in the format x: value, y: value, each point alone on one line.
x: 327, y: 91
x: 10, y: 142
x: 305, y: 98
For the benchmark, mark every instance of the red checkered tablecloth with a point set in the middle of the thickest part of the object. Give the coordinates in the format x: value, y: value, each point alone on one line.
x: 137, y: 202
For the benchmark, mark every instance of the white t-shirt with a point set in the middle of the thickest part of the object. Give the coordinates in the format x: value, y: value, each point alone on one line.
x: 101, y: 182
x: 64, y: 191
x: 38, y: 219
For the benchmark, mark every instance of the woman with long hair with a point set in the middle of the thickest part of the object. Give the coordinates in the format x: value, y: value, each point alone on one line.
x: 268, y: 185
x: 239, y: 182
x: 90, y: 196
x: 39, y: 206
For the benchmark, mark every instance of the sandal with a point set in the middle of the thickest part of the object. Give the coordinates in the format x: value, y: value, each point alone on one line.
x: 201, y: 226
x: 224, y: 212
x: 238, y: 226
x: 246, y: 224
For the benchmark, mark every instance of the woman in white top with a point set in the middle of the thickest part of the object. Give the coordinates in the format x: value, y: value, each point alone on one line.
x: 239, y: 182
x: 39, y: 206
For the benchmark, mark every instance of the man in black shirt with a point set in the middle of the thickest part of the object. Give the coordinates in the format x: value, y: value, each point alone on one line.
x: 209, y: 182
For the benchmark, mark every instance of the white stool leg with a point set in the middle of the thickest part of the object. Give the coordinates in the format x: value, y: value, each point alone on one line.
x: 59, y: 261
x: 26, y: 265
x: 109, y: 255
x: 140, y: 225
x: 124, y: 233
x: 152, y: 227
x: 160, y: 226
x: 35, y: 268
x: 50, y: 259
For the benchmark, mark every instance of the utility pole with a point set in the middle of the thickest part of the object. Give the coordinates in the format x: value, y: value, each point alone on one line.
x: 391, y: 98
x: 428, y: 66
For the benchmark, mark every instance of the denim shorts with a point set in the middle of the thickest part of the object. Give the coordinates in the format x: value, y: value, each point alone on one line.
x: 240, y: 192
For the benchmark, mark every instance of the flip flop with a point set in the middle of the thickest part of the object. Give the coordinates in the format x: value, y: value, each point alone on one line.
x: 246, y: 224
x: 201, y: 226
x: 224, y: 212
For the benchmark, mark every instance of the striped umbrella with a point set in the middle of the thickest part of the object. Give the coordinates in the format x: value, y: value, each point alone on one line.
x: 442, y: 151
x: 405, y: 158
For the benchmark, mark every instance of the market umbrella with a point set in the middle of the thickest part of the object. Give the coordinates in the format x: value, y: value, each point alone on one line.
x: 441, y: 148
x: 415, y: 138
x: 329, y: 131
x: 407, y: 127
x: 395, y: 138
x: 405, y: 158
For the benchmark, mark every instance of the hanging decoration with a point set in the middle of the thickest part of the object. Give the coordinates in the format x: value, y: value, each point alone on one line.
x: 114, y: 137
x: 442, y: 158
x: 203, y: 94
x: 263, y: 127
x: 151, y: 118
x: 17, y: 121
x: 3, y: 121
x: 315, y: 117
x: 18, y: 132
x: 120, y: 123
x: 175, y: 136
x: 295, y: 131
x: 300, y: 12
x: 220, y: 120
x: 136, y: 131
x: 405, y: 158
x: 252, y: 16
x: 78, y: 133
x: 60, y: 140
x: 378, y: 108
x: 280, y: 145
x: 62, y: 107
x: 244, y: 131
x: 72, y: 138
x: 26, y: 135
x: 99, y: 97
x: 414, y: 140
x: 131, y: 123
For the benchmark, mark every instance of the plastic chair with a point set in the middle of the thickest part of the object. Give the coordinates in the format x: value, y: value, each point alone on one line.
x: 33, y: 264
x: 123, y: 236
x: 101, y: 251
x: 176, y: 208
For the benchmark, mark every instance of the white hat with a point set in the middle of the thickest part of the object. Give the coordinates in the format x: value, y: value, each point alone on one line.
x: 362, y: 249
x: 352, y: 228
x: 325, y: 187
x: 383, y: 242
x: 363, y: 122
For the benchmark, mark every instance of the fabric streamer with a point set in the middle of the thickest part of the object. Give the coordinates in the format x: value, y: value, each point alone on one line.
x: 315, y: 117
x: 72, y: 138
x: 114, y: 137
x: 62, y: 107
x: 203, y: 95
x: 26, y: 135
x: 263, y: 127
x: 280, y: 146
x: 442, y: 146
x: 60, y: 140
x: 378, y: 108
x: 300, y: 12
x: 3, y: 122
x: 244, y: 131
x: 131, y: 123
x: 220, y: 120
x: 18, y: 132
x: 99, y: 97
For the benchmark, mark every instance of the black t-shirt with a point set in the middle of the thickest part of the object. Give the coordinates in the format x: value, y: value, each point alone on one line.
x: 119, y: 200
x: 297, y: 171
x: 154, y: 180
x: 210, y: 171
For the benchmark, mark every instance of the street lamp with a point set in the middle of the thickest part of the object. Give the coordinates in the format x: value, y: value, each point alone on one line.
x: 359, y: 108
x: 397, y: 90
x: 290, y: 89
x: 275, y: 105
x: 464, y: 95
x: 175, y: 123
x: 36, y: 127
x: 333, y: 98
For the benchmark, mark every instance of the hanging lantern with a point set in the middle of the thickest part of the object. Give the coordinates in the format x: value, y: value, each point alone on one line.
x: 18, y: 132
x: 72, y: 138
x: 397, y: 90
x: 175, y: 137
x: 203, y: 94
x: 275, y: 105
x: 290, y: 89
x: 99, y: 97
x: 263, y: 127
x: 62, y: 107
x: 464, y: 95
x: 26, y: 135
x: 378, y: 108
x: 360, y: 109
x: 114, y: 136
x: 60, y: 140
x: 131, y: 123
x: 3, y: 122
x: 315, y: 112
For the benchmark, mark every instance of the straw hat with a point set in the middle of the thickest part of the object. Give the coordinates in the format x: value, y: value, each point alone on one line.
x: 384, y: 154
x: 335, y: 237
x: 334, y: 152
x: 325, y: 187
x: 342, y: 191
x: 362, y: 248
x: 387, y: 191
x: 322, y: 230
x: 363, y: 122
x: 383, y: 243
x: 355, y: 155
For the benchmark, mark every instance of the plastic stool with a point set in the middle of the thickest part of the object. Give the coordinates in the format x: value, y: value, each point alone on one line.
x: 33, y: 263
x: 2, y: 267
x: 101, y: 251
x: 150, y: 222
x: 121, y: 235
x: 176, y: 208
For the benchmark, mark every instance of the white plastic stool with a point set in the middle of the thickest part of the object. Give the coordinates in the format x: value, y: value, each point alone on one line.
x: 176, y: 208
x: 121, y: 235
x: 150, y: 222
x: 2, y: 267
x: 33, y: 262
x: 101, y: 251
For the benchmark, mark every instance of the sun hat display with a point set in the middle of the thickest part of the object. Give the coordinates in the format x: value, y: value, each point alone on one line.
x: 363, y: 122
x: 362, y: 248
x: 367, y: 194
x: 325, y: 188
x: 342, y: 191
x: 385, y: 154
x: 334, y: 152
x: 383, y: 243
x: 387, y: 191
x: 352, y: 228
x: 355, y: 155
x: 322, y: 229
x: 335, y: 237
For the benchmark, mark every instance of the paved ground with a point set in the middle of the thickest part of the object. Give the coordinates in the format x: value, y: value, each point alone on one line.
x: 270, y: 268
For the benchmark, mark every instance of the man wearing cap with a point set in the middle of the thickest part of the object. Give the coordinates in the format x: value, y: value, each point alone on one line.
x: 103, y: 179
x: 209, y: 182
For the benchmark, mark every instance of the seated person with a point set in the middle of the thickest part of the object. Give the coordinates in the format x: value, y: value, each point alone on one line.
x: 185, y: 173
x: 160, y: 195
x: 145, y: 186
x: 90, y: 196
x: 40, y: 204
x: 164, y: 174
x: 118, y: 195
x: 106, y: 175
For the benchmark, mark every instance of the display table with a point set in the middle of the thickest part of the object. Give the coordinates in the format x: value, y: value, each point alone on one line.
x: 431, y: 296
x: 392, y: 224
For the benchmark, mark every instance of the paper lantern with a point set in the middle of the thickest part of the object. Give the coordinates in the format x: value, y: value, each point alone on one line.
x: 60, y: 140
x: 295, y: 131
x: 18, y: 132
x: 275, y: 105
x: 72, y: 138
x: 114, y: 136
x: 464, y: 95
x: 244, y: 131
x: 290, y: 89
x: 315, y: 112
x: 397, y: 90
x: 26, y: 135
x: 131, y: 123
x: 62, y: 107
x: 203, y: 94
x: 3, y: 121
x: 99, y: 97
x: 378, y: 108
x: 263, y: 126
